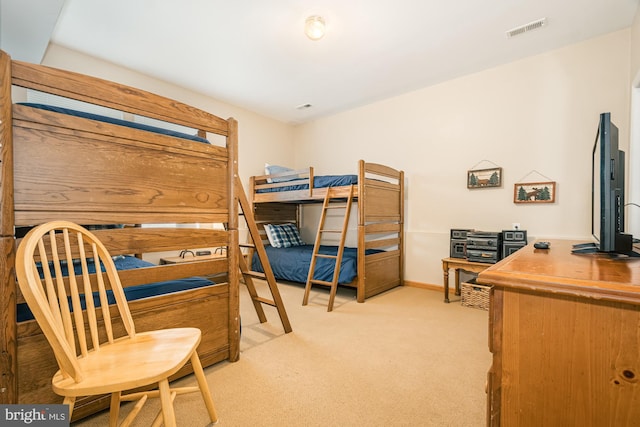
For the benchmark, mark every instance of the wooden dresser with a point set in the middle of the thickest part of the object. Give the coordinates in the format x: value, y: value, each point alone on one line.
x: 564, y: 331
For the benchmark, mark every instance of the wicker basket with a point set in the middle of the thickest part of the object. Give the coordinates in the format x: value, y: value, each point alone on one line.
x: 475, y: 295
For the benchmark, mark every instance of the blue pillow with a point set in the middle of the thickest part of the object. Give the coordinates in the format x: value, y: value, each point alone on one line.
x: 283, y: 235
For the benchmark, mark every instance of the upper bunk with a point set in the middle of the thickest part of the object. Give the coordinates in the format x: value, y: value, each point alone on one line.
x: 83, y: 153
x: 376, y: 184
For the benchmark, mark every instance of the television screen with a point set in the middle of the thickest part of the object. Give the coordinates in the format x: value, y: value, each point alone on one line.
x: 607, y: 193
x: 596, y: 173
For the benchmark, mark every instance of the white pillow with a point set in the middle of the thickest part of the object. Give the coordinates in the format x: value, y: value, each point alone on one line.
x: 267, y: 229
x: 273, y: 169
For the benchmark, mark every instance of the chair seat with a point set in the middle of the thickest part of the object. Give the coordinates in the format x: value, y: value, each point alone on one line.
x: 152, y: 356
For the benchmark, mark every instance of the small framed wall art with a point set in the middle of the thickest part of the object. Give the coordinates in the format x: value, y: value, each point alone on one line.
x: 484, y: 178
x: 534, y: 192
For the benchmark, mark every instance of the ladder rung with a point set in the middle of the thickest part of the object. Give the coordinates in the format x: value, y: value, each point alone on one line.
x: 247, y: 245
x: 335, y: 206
x: 330, y: 231
x: 321, y: 282
x: 326, y: 256
x: 264, y: 301
x: 255, y: 274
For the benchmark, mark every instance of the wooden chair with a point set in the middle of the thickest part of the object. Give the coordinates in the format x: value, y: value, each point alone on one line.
x: 98, y: 350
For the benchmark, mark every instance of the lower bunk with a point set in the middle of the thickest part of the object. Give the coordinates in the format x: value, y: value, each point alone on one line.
x: 292, y: 264
x: 196, y: 301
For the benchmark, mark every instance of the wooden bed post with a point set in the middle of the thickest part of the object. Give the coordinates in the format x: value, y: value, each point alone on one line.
x: 362, y: 273
x: 8, y: 329
x: 401, y: 233
x: 234, y: 243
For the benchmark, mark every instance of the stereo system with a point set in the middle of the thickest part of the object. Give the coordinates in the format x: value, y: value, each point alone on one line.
x: 485, y: 246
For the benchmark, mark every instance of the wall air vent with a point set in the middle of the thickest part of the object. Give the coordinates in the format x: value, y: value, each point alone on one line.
x: 527, y: 27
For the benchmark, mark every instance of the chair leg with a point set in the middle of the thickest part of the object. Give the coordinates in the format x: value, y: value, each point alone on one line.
x: 167, y: 404
x: 114, y: 409
x: 204, y: 387
x: 71, y: 401
x: 157, y: 421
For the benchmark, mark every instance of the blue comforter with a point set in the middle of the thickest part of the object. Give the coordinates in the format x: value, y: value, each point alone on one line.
x: 321, y: 181
x: 293, y: 263
x: 133, y: 292
x: 115, y: 121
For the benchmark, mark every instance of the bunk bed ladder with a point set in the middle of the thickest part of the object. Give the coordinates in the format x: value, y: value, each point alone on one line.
x: 333, y: 200
x: 249, y: 275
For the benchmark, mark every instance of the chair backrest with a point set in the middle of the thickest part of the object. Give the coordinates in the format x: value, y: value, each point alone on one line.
x: 55, y: 266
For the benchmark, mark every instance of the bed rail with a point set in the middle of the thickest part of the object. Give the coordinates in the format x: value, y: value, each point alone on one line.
x: 113, y: 95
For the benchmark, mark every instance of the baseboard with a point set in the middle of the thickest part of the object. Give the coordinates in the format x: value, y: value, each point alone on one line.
x: 422, y: 285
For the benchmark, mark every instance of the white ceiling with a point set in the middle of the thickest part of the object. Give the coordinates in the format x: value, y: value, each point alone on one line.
x: 253, y: 53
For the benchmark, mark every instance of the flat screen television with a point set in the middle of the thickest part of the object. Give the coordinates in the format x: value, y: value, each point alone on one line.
x: 607, y: 194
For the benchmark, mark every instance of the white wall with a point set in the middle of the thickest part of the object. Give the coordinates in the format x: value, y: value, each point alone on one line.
x: 536, y: 118
x: 538, y: 114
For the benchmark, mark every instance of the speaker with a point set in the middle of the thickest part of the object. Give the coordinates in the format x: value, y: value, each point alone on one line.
x: 458, y: 245
x: 458, y: 249
x: 512, y: 240
x: 510, y: 247
x: 514, y: 235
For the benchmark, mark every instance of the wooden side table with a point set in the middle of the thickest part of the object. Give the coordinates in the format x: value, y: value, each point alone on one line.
x: 459, y: 264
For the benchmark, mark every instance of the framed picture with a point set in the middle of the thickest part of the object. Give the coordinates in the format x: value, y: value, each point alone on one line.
x: 534, y: 192
x: 484, y: 178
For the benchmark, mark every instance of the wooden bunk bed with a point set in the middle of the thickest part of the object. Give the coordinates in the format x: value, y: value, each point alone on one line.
x: 277, y: 198
x: 97, y: 173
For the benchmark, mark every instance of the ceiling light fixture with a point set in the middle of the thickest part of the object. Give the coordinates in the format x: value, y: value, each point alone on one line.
x: 314, y: 27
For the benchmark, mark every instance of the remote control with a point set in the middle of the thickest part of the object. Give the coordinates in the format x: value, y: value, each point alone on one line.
x: 541, y: 245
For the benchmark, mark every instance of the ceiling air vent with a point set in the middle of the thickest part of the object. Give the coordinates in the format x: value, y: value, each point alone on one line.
x: 303, y: 106
x: 527, y: 27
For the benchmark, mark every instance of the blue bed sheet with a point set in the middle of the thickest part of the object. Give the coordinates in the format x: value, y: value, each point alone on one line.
x: 293, y: 263
x: 133, y: 292
x: 321, y: 181
x: 119, y: 122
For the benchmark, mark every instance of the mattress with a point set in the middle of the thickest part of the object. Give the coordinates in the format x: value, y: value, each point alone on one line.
x: 293, y: 263
x: 321, y: 181
x: 114, y: 121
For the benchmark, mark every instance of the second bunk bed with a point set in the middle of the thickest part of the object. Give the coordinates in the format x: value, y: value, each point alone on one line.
x: 376, y: 264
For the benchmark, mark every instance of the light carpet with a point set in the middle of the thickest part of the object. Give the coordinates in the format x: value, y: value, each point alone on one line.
x: 403, y: 358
